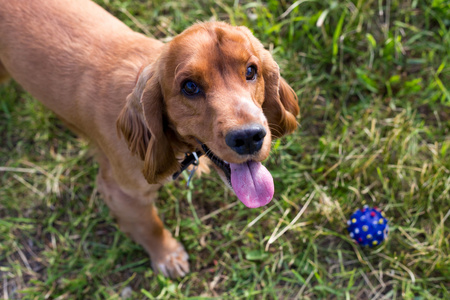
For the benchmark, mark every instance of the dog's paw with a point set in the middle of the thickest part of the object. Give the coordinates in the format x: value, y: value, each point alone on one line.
x: 173, y: 264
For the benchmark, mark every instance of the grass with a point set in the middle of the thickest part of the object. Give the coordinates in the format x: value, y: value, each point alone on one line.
x: 373, y: 84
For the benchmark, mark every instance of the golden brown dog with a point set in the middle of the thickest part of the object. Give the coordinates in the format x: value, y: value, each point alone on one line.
x: 144, y: 104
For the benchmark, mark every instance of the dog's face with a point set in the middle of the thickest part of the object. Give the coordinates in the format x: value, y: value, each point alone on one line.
x: 215, y: 88
x: 214, y: 91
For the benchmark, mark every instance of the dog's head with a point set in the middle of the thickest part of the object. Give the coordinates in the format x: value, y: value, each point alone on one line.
x: 216, y: 88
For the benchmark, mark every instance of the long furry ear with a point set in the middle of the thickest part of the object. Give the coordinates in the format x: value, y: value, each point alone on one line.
x: 141, y: 122
x: 131, y: 123
x: 160, y: 161
x: 280, y: 104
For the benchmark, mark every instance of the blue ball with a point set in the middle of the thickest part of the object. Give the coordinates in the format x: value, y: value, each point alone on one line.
x: 367, y: 226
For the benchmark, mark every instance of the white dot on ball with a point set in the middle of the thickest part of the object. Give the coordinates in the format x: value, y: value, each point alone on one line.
x: 349, y: 222
x: 351, y: 234
x: 357, y: 230
x: 379, y: 232
x: 363, y: 217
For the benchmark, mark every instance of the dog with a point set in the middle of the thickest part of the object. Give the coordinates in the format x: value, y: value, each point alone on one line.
x: 149, y: 108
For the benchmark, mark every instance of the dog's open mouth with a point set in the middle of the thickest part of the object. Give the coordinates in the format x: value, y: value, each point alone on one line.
x: 223, y: 165
x: 251, y: 181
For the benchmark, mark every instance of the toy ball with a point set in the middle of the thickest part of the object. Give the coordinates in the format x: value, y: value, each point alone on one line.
x: 368, y: 226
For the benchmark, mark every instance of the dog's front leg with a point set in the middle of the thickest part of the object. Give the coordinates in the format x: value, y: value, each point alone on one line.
x: 137, y: 216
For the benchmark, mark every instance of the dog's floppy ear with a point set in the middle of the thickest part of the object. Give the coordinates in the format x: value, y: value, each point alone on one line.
x: 280, y: 104
x: 141, y: 122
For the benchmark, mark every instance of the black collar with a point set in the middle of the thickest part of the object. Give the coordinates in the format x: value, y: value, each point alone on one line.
x: 191, y: 158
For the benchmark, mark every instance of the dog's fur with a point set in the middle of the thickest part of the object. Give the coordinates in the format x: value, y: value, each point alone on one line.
x: 106, y: 82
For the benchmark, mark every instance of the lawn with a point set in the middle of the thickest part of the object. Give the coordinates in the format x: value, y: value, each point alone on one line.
x: 373, y: 80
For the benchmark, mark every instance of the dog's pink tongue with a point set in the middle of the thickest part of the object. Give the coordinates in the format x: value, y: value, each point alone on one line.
x: 252, y: 183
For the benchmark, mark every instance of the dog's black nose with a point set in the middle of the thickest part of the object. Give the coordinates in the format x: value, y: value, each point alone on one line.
x: 247, y: 140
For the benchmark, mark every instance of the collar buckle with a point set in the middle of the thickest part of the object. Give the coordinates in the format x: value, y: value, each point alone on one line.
x: 190, y: 158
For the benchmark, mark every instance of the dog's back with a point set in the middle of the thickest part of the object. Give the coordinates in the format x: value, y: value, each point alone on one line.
x: 62, y: 51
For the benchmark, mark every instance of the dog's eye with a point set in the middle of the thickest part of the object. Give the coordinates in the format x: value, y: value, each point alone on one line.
x: 190, y: 88
x: 250, y: 74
